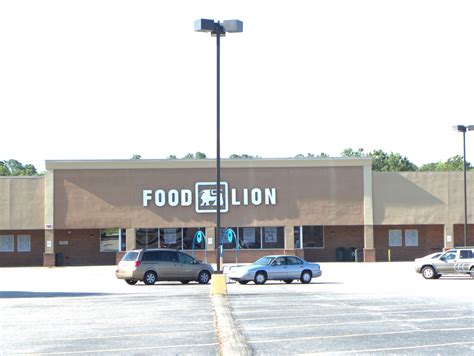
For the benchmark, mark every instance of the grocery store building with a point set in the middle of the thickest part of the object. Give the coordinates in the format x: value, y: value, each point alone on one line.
x: 90, y: 212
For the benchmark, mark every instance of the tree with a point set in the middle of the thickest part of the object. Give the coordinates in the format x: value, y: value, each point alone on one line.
x: 171, y: 157
x: 14, y: 168
x: 136, y: 156
x: 349, y: 152
x: 455, y: 163
x: 243, y: 156
x: 200, y: 155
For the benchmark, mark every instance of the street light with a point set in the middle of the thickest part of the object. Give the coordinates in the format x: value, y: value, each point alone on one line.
x: 463, y: 129
x: 218, y: 29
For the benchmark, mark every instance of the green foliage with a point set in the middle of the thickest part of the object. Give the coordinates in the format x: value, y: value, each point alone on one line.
x: 311, y: 155
x: 243, y: 156
x: 349, y: 152
x: 14, y: 168
x: 136, y: 156
x: 171, y: 157
x: 455, y: 163
x: 198, y: 155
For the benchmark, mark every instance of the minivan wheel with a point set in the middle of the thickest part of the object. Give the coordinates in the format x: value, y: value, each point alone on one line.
x: 131, y: 281
x: 428, y: 272
x: 471, y: 272
x: 149, y: 278
x: 204, y: 277
x: 260, y: 278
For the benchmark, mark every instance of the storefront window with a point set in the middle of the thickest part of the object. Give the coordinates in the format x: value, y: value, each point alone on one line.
x: 171, y: 238
x: 146, y: 238
x: 394, y: 238
x: 24, y: 243
x: 250, y: 237
x: 313, y: 237
x: 273, y: 237
x: 188, y: 236
x: 7, y: 243
x: 226, y: 233
x: 110, y: 240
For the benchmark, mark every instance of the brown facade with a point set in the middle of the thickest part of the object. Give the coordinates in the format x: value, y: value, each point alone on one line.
x: 34, y: 257
x: 430, y: 239
x: 65, y: 211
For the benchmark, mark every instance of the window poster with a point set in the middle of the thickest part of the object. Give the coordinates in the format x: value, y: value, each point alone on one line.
x: 411, y: 237
x: 24, y: 243
x: 6, y: 243
x: 249, y: 235
x: 270, y: 234
x: 170, y: 236
x: 394, y: 237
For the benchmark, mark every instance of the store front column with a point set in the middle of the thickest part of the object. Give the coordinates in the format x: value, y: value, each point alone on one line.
x: 49, y: 256
x: 448, y: 236
x: 130, y: 239
x: 369, y: 250
x: 289, y: 240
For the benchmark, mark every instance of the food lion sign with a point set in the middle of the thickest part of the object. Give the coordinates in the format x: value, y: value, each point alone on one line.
x: 205, y: 197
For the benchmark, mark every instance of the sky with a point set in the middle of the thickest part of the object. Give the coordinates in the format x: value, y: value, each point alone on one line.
x: 109, y: 79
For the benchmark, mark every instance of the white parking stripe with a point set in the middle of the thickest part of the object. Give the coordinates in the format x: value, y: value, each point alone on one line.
x: 354, y: 322
x: 390, y: 348
x: 350, y: 335
x: 121, y: 349
x: 124, y: 336
x: 378, y: 313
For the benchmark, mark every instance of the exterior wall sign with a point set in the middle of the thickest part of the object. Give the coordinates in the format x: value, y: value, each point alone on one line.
x: 205, y: 197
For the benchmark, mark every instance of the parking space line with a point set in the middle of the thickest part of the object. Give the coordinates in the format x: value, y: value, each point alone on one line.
x: 316, y: 306
x: 381, y: 313
x: 355, y: 323
x: 120, y: 349
x: 124, y: 336
x: 351, y: 335
x: 390, y: 348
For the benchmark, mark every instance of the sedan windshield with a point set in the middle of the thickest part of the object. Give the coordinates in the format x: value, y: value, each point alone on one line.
x: 263, y: 261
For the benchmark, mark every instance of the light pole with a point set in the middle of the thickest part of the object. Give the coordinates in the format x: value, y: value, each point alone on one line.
x: 463, y: 129
x: 218, y: 29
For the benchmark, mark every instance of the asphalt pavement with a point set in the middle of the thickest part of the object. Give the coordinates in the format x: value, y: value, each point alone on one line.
x: 378, y: 308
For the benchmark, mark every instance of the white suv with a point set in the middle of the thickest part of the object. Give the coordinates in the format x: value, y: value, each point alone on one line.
x: 459, y: 260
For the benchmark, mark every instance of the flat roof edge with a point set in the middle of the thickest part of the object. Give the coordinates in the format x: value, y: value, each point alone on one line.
x: 205, y: 163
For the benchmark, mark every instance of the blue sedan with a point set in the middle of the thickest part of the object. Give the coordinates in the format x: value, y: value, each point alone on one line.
x: 275, y: 267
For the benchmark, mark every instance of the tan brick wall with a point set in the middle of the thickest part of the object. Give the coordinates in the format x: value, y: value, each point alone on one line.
x: 32, y: 258
x: 430, y: 239
x: 83, y: 248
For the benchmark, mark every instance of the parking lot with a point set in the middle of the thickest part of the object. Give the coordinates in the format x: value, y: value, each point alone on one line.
x: 353, y: 308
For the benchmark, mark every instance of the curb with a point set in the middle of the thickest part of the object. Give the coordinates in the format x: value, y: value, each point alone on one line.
x: 229, y: 338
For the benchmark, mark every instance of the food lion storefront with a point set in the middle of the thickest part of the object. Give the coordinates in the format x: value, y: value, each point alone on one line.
x: 90, y: 212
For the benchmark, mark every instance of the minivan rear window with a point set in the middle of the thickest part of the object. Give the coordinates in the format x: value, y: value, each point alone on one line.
x: 130, y: 256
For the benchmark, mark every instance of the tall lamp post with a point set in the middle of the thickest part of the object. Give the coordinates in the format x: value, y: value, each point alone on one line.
x: 218, y: 30
x: 463, y: 129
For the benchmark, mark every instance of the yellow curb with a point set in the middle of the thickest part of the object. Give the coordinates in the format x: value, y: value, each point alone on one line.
x: 218, y: 284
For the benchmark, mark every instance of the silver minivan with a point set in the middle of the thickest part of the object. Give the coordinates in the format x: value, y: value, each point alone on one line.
x: 152, y: 265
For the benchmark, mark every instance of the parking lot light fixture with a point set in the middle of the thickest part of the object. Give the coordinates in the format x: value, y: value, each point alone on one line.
x: 463, y: 129
x: 218, y: 30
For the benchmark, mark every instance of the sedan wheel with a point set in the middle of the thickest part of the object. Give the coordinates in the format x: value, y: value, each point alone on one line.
x: 204, y: 277
x: 288, y: 281
x: 243, y: 282
x: 149, y: 278
x: 260, y: 278
x: 428, y: 272
x: 306, y: 277
x: 131, y: 281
